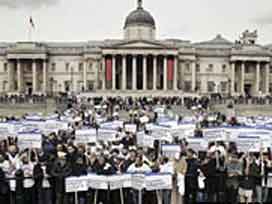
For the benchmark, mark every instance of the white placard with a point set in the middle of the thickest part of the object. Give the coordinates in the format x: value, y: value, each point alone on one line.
x: 76, y: 184
x: 170, y: 150
x: 130, y: 128
x: 214, y: 134
x: 29, y: 140
x: 85, y: 136
x: 106, y: 135
x: 248, y: 144
x: 114, y: 125
x: 158, y: 182
x: 144, y: 140
x: 197, y: 144
x: 144, y: 119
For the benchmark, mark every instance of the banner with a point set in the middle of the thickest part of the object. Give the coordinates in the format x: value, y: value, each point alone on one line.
x: 214, y: 134
x: 76, y: 184
x: 158, y: 182
x: 170, y: 69
x: 114, y: 125
x: 248, y: 144
x: 29, y: 140
x: 108, y: 69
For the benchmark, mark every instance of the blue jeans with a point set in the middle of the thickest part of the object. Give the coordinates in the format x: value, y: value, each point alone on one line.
x: 166, y: 196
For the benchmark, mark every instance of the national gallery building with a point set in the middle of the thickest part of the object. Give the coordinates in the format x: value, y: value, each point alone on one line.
x: 138, y: 64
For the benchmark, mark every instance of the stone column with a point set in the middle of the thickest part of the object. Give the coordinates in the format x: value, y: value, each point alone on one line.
x: 257, y: 78
x: 103, y: 73
x: 124, y: 73
x: 243, y: 78
x: 154, y: 72
x: 85, y: 68
x: 232, y: 78
x: 134, y: 72
x: 19, y: 78
x: 10, y: 77
x: 34, y: 76
x: 175, y: 78
x: 113, y: 72
x: 44, y: 77
x: 193, y: 66
x: 267, y: 78
x: 165, y: 73
x: 144, y: 72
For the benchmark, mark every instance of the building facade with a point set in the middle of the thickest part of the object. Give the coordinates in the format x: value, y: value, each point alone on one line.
x: 138, y: 64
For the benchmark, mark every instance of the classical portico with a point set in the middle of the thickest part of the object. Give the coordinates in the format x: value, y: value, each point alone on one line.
x: 147, y: 72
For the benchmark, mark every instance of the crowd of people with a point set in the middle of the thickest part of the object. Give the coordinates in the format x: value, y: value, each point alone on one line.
x: 219, y: 174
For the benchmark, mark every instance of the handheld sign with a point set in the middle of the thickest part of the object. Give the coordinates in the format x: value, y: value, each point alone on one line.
x: 85, y: 136
x: 170, y: 150
x: 131, y: 128
x: 29, y: 140
x: 76, y: 184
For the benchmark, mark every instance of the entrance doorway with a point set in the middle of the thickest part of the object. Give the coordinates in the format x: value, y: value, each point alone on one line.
x: 29, y: 88
x: 248, y: 88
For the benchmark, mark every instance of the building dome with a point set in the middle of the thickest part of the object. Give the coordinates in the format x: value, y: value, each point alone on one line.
x: 140, y: 17
x: 140, y: 24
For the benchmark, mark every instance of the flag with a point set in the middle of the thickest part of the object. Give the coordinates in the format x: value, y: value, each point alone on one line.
x: 108, y: 69
x: 31, y: 22
x: 170, y: 69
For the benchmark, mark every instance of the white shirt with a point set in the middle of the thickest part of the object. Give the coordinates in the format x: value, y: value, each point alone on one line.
x: 167, y: 168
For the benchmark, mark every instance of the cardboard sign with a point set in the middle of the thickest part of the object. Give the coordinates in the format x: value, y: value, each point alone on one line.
x: 76, y: 184
x: 29, y: 140
x: 85, y: 136
x: 158, y: 182
x: 170, y: 150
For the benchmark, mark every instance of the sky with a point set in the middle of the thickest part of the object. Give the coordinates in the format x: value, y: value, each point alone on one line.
x: 83, y: 20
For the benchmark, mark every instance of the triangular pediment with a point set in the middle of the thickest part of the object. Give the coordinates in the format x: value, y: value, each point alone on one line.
x: 140, y: 44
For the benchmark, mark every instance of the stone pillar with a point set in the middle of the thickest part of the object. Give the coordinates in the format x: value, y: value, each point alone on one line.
x: 103, y: 73
x: 85, y: 68
x: 113, y: 73
x: 154, y: 72
x: 144, y: 72
x: 44, y: 77
x: 193, y: 65
x: 267, y: 78
x: 232, y: 78
x: 124, y: 72
x: 257, y: 78
x: 175, y: 78
x: 243, y: 78
x: 165, y: 73
x: 10, y: 77
x: 19, y: 78
x: 34, y: 76
x: 134, y: 72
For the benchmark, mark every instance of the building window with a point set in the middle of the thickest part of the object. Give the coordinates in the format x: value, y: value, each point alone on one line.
x: 211, y: 86
x: 197, y: 68
x: 187, y: 86
x: 210, y: 68
x: 5, y: 67
x: 80, y: 67
x: 67, y: 67
x: 224, y: 86
x: 224, y: 68
x: 53, y: 67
